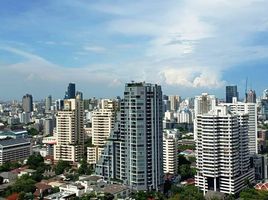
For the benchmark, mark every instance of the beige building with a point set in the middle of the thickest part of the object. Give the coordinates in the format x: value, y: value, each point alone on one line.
x: 93, y: 154
x: 170, y: 152
x: 103, y: 121
x: 70, y: 132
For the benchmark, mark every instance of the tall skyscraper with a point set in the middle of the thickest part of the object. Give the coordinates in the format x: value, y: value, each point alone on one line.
x: 27, y: 103
x: 48, y: 103
x: 231, y: 91
x: 251, y: 96
x: 136, y: 152
x: 70, y: 132
x: 70, y: 93
x: 251, y: 110
x: 222, y: 152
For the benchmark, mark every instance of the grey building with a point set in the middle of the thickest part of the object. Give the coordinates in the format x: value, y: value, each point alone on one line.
x: 48, y: 103
x: 134, y: 154
x: 251, y: 96
x: 14, y: 150
x: 27, y: 103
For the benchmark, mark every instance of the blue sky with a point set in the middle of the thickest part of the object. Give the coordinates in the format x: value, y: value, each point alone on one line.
x: 187, y: 46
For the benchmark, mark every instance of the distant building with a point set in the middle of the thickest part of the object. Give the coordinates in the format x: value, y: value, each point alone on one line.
x: 251, y: 96
x: 48, y: 103
x: 70, y: 93
x: 27, y: 103
x: 48, y: 126
x: 174, y: 102
x: 14, y: 150
x: 79, y: 95
x: 231, y: 91
x: 202, y: 105
x: 25, y: 117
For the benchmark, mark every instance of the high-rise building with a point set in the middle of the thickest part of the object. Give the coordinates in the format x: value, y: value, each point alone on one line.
x: 231, y: 91
x: 222, y: 152
x: 103, y: 121
x: 27, y: 103
x: 251, y: 96
x: 134, y: 153
x: 170, y: 152
x: 70, y: 132
x: 48, y: 103
x: 251, y: 110
x: 70, y: 93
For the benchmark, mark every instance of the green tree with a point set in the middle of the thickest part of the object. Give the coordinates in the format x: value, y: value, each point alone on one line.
x: 182, y: 160
x: 85, y: 168
x: 252, y: 193
x: 186, y: 192
x: 9, y: 166
x: 33, y: 131
x: 24, y: 183
x: 186, y: 171
x: 35, y: 161
x: 61, y: 166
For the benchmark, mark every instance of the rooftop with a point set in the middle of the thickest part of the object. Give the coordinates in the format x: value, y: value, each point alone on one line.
x: 11, y: 142
x: 114, y: 188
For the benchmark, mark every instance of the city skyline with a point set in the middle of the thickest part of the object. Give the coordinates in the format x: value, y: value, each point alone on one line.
x: 188, y: 47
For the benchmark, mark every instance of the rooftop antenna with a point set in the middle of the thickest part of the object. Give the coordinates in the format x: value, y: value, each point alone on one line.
x: 246, y: 90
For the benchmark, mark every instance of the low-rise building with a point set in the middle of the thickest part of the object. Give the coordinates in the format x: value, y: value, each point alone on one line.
x: 78, y: 189
x: 14, y: 150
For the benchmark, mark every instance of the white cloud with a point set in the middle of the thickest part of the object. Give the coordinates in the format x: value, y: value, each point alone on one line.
x: 38, y: 68
x: 192, y: 77
x: 95, y: 49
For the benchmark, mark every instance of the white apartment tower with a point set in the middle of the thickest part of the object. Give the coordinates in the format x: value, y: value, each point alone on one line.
x: 70, y: 132
x: 142, y: 135
x: 170, y: 152
x: 222, y: 151
x: 251, y: 110
x: 134, y: 153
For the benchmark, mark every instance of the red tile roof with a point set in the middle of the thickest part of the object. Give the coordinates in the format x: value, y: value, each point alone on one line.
x: 261, y: 186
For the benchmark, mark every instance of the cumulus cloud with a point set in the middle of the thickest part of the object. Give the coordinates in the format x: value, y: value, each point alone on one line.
x: 192, y: 77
